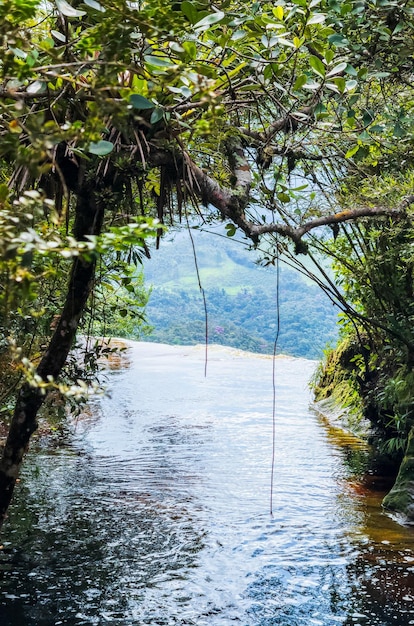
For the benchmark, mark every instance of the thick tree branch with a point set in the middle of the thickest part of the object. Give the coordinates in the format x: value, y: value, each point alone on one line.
x: 240, y: 167
x: 296, y: 233
x: 287, y: 123
x: 232, y: 204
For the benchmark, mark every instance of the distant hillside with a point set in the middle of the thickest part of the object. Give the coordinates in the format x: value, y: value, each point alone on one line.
x: 241, y: 299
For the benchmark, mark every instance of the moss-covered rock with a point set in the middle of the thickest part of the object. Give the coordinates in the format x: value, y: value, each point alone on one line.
x: 401, y: 497
x: 337, y: 415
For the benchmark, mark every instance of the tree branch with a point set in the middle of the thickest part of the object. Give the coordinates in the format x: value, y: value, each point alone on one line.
x: 296, y: 233
x: 287, y: 123
x: 232, y: 204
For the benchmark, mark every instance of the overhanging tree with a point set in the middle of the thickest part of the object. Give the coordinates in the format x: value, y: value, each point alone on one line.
x: 250, y: 114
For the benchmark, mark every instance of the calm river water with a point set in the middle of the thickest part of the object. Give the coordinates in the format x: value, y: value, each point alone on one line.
x: 158, y: 511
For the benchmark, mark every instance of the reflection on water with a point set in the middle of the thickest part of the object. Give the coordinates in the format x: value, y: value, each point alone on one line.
x: 158, y: 511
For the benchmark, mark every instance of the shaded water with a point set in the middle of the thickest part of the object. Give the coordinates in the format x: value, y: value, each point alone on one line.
x: 158, y: 512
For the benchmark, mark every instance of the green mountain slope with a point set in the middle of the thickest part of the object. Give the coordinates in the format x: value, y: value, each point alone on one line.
x: 241, y: 299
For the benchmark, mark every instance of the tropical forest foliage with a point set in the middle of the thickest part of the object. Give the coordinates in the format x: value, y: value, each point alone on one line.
x: 248, y: 306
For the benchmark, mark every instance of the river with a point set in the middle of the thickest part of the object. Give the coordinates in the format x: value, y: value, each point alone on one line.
x: 157, y: 511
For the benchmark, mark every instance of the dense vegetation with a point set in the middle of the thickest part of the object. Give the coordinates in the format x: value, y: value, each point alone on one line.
x: 246, y: 307
x: 371, y: 370
x: 290, y: 121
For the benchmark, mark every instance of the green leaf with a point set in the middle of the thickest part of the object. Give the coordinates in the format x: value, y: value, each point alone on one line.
x: 101, y: 148
x: 362, y: 153
x: 282, y: 41
x: 278, y: 12
x: 190, y: 49
x: 351, y: 70
x: 37, y: 87
x: 57, y: 35
x: 299, y: 82
x: 268, y: 72
x: 189, y: 11
x: 338, y: 40
x: 380, y: 74
x: 398, y: 130
x: 158, y: 61
x: 351, y: 84
x: 364, y: 135
x: 317, y: 18
x: 368, y: 117
x: 156, y: 115
x: 209, y: 20
x: 141, y: 103
x: 351, y: 152
x: 312, y: 86
x: 4, y: 192
x: 66, y: 9
x: 332, y: 87
x: 338, y: 69
x: 231, y: 230
x: 377, y: 128
x: 238, y: 35
x: 347, y: 8
x: 95, y: 5
x: 340, y: 83
x: 317, y: 65
x: 20, y: 54
x: 283, y: 197
x: 400, y: 26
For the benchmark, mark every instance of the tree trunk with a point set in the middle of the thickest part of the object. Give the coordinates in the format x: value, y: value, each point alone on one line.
x: 89, y: 217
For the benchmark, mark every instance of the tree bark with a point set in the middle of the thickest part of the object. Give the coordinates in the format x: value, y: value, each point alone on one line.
x: 89, y: 217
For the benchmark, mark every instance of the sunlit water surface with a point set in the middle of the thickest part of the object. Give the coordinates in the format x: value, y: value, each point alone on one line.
x: 158, y: 512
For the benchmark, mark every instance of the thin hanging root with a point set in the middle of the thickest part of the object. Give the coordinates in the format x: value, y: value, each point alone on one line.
x: 203, y: 294
x: 139, y: 147
x: 272, y: 474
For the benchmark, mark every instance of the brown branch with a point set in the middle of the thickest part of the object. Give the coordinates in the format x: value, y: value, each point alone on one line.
x: 296, y: 233
x: 240, y: 167
x: 288, y: 122
x: 12, y: 94
x: 297, y: 155
x: 232, y: 204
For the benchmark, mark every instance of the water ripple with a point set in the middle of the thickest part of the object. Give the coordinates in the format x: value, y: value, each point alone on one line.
x: 158, y: 513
